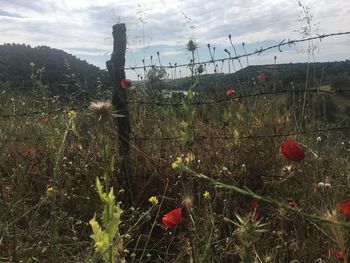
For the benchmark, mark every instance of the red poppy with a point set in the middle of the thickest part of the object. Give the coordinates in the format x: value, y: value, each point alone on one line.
x: 261, y: 76
x: 292, y: 150
x: 173, y: 218
x: 257, y: 215
x: 292, y: 203
x: 256, y: 210
x: 340, y: 255
x: 230, y: 92
x: 344, y: 208
x: 46, y: 120
x: 255, y: 204
x: 126, y: 83
x: 27, y: 151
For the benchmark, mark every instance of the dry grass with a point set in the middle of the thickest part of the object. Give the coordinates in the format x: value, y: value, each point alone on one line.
x: 36, y: 224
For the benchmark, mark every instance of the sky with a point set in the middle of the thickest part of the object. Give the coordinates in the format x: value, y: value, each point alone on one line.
x: 84, y: 28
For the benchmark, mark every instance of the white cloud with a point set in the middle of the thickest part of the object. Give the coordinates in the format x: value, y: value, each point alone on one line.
x: 166, y: 25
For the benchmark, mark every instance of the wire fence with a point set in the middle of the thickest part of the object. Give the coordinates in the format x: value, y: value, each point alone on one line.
x: 203, y: 137
x: 179, y: 104
x: 278, y: 46
x: 199, y: 103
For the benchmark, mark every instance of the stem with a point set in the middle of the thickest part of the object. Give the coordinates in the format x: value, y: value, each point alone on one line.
x: 267, y: 199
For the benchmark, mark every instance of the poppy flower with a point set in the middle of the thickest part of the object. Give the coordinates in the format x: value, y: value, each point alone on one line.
x: 173, y: 218
x: 340, y: 255
x: 27, y: 151
x: 255, y: 204
x: 126, y: 83
x: 261, y: 76
x: 230, y: 92
x: 46, y: 120
x: 292, y: 150
x: 344, y: 208
x: 256, y: 211
x: 292, y: 203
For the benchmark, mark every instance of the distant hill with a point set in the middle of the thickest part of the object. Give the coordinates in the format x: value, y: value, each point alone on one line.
x: 60, y: 67
x: 335, y: 74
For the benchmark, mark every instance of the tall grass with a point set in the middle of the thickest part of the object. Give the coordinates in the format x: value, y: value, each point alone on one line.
x: 50, y: 160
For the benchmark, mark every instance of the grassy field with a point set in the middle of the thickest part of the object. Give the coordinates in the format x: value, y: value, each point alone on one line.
x: 221, y: 163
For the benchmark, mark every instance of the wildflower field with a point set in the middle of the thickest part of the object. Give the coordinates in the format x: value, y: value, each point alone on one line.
x: 258, y: 178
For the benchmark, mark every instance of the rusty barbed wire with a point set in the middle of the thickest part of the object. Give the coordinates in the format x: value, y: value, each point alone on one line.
x: 178, y: 104
x: 259, y: 136
x: 289, y: 42
x: 203, y: 137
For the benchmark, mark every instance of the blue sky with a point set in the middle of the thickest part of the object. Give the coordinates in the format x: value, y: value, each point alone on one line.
x: 83, y: 27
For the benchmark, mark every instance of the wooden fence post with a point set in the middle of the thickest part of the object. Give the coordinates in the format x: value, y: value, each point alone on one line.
x: 116, y: 72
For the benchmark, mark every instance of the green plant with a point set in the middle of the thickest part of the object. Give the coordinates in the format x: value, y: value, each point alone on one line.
x: 107, y: 240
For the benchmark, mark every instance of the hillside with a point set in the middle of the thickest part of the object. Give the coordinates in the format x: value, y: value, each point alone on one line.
x: 59, y: 66
x: 335, y: 74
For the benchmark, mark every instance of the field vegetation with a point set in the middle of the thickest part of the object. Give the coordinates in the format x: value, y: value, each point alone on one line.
x: 244, y: 167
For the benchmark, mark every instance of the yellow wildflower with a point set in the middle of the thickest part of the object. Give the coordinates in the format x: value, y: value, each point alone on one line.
x: 49, y: 190
x: 72, y: 114
x: 177, y: 163
x: 206, y: 195
x: 189, y: 157
x: 153, y: 200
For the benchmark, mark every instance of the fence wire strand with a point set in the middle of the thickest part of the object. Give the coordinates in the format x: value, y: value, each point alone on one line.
x: 289, y: 42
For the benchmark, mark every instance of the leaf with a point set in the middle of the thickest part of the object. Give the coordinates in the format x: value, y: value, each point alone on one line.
x: 236, y: 136
x: 239, y: 117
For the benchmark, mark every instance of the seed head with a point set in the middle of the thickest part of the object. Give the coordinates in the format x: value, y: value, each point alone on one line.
x: 103, y: 110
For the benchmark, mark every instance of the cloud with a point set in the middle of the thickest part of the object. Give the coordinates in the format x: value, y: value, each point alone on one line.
x: 84, y: 27
x: 7, y: 14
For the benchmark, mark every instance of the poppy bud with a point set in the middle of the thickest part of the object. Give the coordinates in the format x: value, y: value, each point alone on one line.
x: 230, y: 92
x: 344, y: 208
x: 292, y: 151
x: 126, y: 83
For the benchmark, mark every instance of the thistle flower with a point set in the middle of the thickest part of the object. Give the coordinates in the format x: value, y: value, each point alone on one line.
x: 191, y: 46
x: 103, y: 110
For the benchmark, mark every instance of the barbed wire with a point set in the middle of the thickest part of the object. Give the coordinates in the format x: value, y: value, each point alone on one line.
x: 178, y: 104
x: 259, y: 136
x: 289, y: 42
x: 198, y: 103
x: 204, y: 137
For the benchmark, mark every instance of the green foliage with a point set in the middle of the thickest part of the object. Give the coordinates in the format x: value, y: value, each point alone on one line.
x: 106, y: 236
x: 59, y: 66
x: 48, y: 169
x: 188, y: 123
